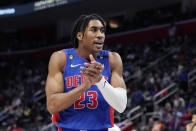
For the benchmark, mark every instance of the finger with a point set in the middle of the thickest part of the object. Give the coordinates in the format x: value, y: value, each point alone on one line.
x: 91, y: 75
x: 82, y: 72
x: 88, y: 74
x: 102, y: 67
x: 99, y: 66
x: 90, y: 66
x: 91, y: 71
x: 92, y: 58
x: 93, y: 66
x: 83, y: 69
x: 87, y: 64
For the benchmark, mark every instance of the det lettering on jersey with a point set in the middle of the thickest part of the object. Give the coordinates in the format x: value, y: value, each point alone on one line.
x: 76, y: 80
x: 83, y: 130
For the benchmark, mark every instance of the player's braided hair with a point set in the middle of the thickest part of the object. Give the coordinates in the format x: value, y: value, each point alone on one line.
x: 81, y: 24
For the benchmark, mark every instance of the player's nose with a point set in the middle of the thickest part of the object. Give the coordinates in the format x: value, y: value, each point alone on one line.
x: 100, y: 35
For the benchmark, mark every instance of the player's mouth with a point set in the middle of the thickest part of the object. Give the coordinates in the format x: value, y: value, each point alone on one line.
x: 99, y: 44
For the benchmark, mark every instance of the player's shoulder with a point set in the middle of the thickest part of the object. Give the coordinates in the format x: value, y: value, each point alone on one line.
x: 194, y: 128
x: 113, y: 54
x: 189, y: 126
x: 114, y: 60
x: 58, y: 58
x: 114, y: 57
x: 58, y: 55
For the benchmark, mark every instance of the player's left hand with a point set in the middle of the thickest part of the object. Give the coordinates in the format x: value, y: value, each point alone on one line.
x: 93, y: 70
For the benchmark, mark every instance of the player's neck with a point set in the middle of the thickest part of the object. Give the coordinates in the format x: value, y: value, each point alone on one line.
x: 84, y: 53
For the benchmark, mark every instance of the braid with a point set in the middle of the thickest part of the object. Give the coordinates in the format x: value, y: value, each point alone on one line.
x: 81, y: 24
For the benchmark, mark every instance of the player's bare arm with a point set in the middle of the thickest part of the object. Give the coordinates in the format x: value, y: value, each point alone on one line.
x: 114, y: 92
x: 116, y: 70
x: 57, y: 100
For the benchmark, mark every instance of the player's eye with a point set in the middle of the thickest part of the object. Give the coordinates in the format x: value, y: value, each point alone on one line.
x: 93, y: 29
x: 102, y: 30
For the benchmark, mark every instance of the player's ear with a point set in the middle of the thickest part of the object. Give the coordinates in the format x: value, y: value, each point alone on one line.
x: 79, y: 36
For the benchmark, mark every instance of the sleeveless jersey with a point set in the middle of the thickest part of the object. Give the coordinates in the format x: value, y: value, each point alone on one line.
x: 90, y: 111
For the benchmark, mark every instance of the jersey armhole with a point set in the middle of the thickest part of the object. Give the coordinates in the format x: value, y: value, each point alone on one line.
x: 109, y: 63
x: 65, y: 53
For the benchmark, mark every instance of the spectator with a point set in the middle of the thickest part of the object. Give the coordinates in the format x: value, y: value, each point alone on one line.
x: 179, y: 103
x: 158, y: 126
x: 15, y: 127
x: 183, y: 80
x: 137, y: 97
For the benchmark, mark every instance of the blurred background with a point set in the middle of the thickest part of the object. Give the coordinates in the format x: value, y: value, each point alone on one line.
x: 156, y: 40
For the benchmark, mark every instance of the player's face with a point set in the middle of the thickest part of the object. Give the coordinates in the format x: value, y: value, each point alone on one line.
x: 94, y: 36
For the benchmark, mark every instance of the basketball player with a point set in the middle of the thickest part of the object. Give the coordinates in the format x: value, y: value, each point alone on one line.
x: 192, y: 126
x: 85, y: 83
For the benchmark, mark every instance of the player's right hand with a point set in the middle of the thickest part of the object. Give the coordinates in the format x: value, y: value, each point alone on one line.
x: 93, y: 71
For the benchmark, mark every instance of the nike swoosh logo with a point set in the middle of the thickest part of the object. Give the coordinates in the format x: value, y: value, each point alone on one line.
x: 75, y: 65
